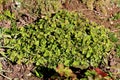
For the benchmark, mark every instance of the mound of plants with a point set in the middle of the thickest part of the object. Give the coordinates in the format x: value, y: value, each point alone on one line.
x: 63, y: 38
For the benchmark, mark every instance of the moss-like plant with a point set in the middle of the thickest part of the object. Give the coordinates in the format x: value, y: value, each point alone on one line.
x: 64, y: 38
x: 101, y: 4
x: 116, y: 16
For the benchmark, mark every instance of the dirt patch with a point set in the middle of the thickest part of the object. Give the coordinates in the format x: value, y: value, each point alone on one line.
x: 22, y: 16
x: 16, y: 71
x: 93, y: 15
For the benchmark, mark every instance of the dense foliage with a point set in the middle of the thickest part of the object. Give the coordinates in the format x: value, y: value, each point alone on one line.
x: 63, y: 38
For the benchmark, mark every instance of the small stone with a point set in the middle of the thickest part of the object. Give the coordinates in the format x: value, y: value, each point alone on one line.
x: 111, y: 22
x: 29, y: 74
x: 16, y: 79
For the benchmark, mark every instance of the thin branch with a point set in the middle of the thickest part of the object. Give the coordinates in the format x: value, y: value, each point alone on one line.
x: 5, y: 76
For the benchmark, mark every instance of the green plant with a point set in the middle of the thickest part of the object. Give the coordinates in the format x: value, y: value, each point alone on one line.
x: 118, y: 50
x: 6, y: 15
x: 101, y: 4
x: 49, y: 6
x: 26, y: 12
x: 7, y: 19
x: 37, y: 8
x: 113, y: 37
x: 65, y: 71
x: 2, y: 58
x: 116, y: 2
x: 116, y: 16
x: 63, y: 38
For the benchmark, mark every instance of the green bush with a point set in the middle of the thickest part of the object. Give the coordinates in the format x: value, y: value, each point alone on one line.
x: 62, y: 38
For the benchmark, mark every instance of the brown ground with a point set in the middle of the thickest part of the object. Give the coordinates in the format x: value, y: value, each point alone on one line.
x: 93, y: 15
x: 23, y: 72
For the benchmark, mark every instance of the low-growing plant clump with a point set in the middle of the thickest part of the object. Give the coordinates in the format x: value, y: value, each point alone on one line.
x: 63, y: 38
x: 115, y: 16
